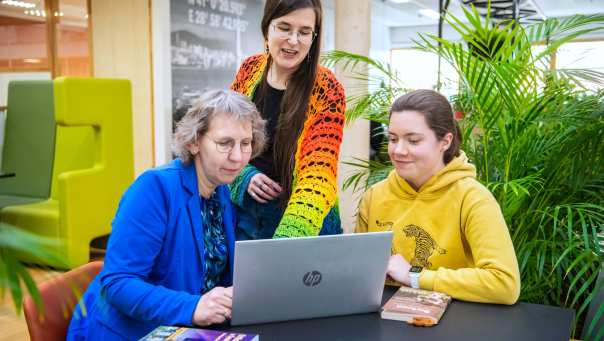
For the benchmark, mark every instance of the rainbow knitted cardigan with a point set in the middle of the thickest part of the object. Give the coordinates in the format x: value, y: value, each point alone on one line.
x: 313, y: 205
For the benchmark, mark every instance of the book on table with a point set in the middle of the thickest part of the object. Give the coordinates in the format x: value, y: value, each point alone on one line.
x: 195, y: 334
x: 416, y: 306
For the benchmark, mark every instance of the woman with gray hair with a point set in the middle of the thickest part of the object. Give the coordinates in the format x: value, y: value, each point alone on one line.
x: 170, y: 255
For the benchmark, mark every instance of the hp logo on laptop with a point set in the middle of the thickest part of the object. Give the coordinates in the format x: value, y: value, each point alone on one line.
x: 312, y: 278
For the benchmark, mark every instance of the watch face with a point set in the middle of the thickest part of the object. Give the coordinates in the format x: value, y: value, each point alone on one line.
x: 416, y: 269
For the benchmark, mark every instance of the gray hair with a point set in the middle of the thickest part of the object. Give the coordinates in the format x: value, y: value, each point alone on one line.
x: 196, y: 121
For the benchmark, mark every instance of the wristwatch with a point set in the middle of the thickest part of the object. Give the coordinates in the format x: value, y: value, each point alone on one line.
x: 414, y: 273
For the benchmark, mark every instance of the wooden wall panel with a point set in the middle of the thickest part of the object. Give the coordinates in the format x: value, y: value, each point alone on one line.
x: 121, y: 45
x: 353, y: 34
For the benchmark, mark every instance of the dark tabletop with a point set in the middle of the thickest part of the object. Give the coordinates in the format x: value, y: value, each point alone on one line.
x: 461, y: 321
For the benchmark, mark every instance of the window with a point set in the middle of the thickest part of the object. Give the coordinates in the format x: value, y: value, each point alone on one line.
x: 26, y: 44
x: 23, y: 37
x: 582, y: 55
x: 73, y: 47
x: 419, y: 70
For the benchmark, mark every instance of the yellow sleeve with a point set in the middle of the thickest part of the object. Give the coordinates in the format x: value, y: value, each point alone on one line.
x: 495, y: 278
x: 362, y: 215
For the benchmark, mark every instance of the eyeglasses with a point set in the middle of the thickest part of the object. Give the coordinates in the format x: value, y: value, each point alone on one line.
x: 283, y: 31
x: 226, y: 146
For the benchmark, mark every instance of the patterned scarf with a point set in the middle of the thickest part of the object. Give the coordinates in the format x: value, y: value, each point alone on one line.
x: 214, y: 240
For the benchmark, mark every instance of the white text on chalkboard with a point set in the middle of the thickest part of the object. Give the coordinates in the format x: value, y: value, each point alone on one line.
x: 224, y: 6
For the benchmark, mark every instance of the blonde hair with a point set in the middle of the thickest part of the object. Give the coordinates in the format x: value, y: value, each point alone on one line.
x: 210, y: 104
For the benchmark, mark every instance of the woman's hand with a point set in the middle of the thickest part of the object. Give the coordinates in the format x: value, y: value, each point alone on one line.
x: 263, y: 189
x: 214, y: 307
x: 398, y: 269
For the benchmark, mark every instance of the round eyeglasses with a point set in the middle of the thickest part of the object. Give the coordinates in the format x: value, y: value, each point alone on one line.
x: 227, y: 146
x: 304, y: 35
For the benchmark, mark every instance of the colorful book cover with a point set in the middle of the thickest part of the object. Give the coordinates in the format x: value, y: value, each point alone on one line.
x: 193, y: 334
x: 416, y: 306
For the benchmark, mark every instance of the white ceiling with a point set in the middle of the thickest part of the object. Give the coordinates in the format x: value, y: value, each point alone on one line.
x: 406, y: 14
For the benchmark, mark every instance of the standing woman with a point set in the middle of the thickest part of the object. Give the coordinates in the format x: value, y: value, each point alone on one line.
x: 290, y: 189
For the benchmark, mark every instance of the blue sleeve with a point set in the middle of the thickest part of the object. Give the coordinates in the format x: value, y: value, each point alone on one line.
x: 139, y: 227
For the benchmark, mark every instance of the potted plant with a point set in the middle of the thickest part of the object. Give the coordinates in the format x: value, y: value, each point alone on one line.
x: 14, y: 275
x: 535, y: 135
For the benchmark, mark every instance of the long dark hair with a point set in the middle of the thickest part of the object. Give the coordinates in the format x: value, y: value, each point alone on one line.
x: 297, y: 94
x: 438, y: 114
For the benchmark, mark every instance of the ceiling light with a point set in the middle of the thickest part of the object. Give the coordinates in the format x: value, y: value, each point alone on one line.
x: 36, y: 13
x: 399, y: 1
x: 426, y: 12
x: 31, y: 60
x: 21, y: 4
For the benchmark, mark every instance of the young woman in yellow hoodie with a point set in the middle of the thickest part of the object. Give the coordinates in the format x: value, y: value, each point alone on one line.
x: 449, y: 232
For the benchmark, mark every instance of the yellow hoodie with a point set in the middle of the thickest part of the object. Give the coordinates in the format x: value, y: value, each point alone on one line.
x: 452, y: 227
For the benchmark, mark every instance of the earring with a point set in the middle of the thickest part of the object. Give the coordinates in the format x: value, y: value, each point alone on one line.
x: 266, y: 47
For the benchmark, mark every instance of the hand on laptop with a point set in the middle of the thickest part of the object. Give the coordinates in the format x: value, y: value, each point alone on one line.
x: 214, y: 307
x: 398, y: 269
x: 263, y: 189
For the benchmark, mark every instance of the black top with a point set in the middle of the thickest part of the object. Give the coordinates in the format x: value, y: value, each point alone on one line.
x: 269, y: 107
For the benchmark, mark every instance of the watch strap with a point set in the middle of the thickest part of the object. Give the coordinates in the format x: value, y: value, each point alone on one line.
x: 414, y: 279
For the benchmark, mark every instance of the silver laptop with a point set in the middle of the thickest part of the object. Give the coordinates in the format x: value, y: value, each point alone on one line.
x: 300, y: 278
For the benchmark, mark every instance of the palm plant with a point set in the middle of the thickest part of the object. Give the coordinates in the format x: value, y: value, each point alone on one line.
x: 14, y: 276
x: 535, y: 136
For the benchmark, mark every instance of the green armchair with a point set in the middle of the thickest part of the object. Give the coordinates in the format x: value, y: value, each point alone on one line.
x: 93, y: 165
x: 28, y: 143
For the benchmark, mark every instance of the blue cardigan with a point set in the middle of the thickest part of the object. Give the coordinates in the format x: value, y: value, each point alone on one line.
x: 153, y: 272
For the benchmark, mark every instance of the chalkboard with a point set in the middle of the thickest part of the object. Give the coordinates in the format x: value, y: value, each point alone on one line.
x: 209, y: 39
